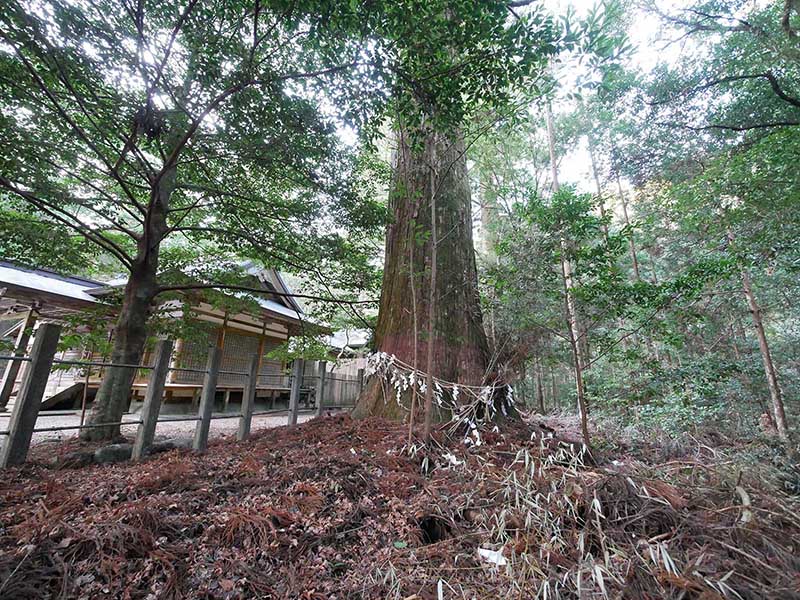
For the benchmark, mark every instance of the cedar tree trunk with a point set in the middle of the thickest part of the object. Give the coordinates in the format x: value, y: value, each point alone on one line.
x: 460, y: 353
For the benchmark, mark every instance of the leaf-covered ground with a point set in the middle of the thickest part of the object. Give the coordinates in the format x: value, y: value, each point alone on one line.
x: 337, y: 508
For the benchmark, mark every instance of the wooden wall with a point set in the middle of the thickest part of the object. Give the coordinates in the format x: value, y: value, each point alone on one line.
x: 238, y: 350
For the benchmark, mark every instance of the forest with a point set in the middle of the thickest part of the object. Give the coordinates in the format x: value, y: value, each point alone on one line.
x: 567, y: 230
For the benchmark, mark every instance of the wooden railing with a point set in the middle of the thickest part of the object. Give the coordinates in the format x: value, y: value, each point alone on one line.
x: 16, y: 440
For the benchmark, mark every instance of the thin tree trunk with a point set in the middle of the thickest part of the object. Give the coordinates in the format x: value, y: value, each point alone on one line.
x: 631, y: 242
x: 775, y: 392
x: 651, y: 345
x: 605, y: 225
x: 415, y: 363
x: 576, y: 355
x: 734, y: 346
x: 434, y: 176
x: 747, y: 383
x: 599, y: 188
x: 539, y: 386
x: 488, y: 212
x: 572, y: 315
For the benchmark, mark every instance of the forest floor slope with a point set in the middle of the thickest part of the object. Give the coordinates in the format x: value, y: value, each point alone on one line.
x: 337, y: 508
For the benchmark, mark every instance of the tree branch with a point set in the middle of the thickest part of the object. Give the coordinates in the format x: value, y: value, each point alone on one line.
x: 74, y: 126
x: 71, y: 222
x: 735, y: 127
x: 769, y: 76
x: 106, y: 197
x: 227, y: 93
x: 779, y: 92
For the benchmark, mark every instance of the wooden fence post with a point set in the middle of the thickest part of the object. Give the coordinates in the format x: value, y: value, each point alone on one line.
x: 294, y: 392
x: 29, y: 398
x: 207, y: 398
x: 152, y: 400
x: 321, y: 368
x: 249, y: 399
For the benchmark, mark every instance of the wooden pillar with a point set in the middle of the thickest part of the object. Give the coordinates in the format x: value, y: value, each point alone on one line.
x: 12, y: 369
x: 262, y: 340
x: 207, y: 398
x: 152, y: 399
x: 209, y: 392
x: 29, y: 399
x: 294, y: 392
x: 360, y: 381
x: 87, y: 356
x: 248, y: 399
x: 221, y: 332
x: 322, y: 367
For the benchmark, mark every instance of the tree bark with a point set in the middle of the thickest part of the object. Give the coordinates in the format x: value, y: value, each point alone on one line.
x: 775, y: 392
x: 459, y: 351
x: 130, y: 331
